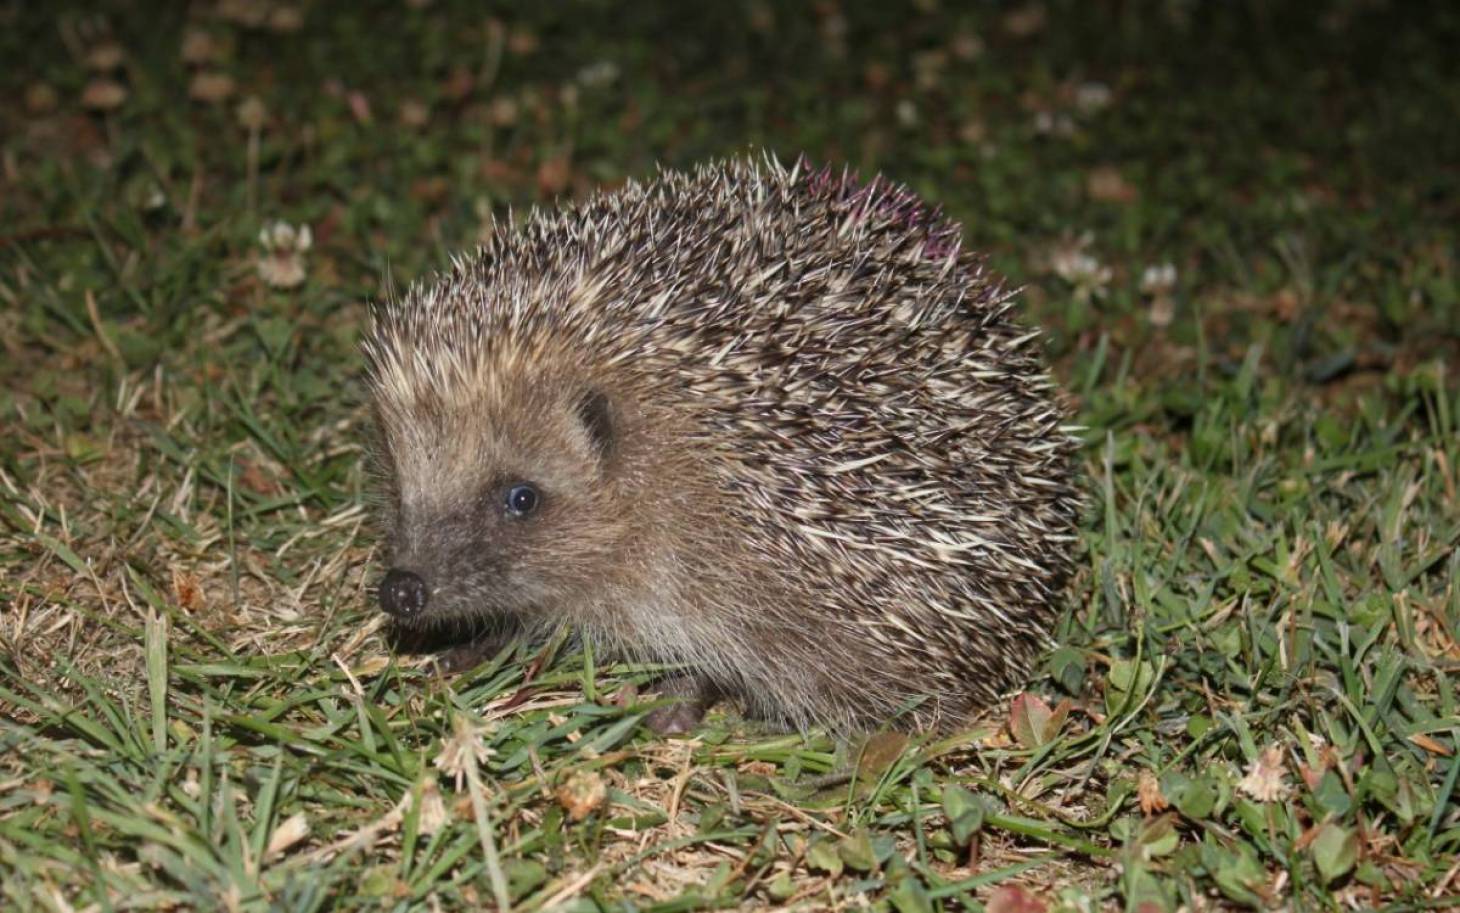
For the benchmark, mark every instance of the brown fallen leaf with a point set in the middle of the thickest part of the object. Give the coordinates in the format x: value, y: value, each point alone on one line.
x: 210, y: 86
x: 581, y: 794
x: 1106, y: 184
x: 186, y: 589
x: 1148, y: 792
x: 103, y: 95
x: 1430, y: 745
x: 1014, y: 899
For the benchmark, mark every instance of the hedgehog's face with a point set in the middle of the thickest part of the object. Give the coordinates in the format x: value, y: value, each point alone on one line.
x: 507, y: 505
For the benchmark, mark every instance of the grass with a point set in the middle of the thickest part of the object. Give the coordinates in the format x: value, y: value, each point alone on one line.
x: 1254, y: 701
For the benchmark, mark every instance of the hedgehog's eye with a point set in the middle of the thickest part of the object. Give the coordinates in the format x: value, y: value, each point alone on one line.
x: 522, y: 499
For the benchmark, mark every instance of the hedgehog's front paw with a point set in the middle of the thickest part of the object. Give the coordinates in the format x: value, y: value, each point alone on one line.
x: 467, y: 656
x: 675, y: 719
x: 692, y: 696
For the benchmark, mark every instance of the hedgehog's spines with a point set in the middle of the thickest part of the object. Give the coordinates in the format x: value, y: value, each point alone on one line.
x: 846, y: 383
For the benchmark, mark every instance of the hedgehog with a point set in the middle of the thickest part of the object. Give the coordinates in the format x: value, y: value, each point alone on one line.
x: 768, y: 427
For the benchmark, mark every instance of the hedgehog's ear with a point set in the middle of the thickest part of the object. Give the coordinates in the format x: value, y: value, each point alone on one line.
x: 593, y: 411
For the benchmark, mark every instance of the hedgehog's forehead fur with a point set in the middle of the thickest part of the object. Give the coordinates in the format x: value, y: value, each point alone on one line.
x: 514, y: 427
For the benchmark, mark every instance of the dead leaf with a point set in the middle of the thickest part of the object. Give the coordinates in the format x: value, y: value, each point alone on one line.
x: 359, y: 106
x: 186, y: 590
x: 522, y: 41
x: 1014, y: 899
x: 414, y: 113
x: 256, y: 480
x: 1430, y: 745
x: 1106, y: 184
x: 1027, y: 20
x: 581, y: 794
x: 200, y: 48
x: 1285, y: 305
x: 103, y: 95
x: 553, y: 175
x: 880, y: 752
x: 289, y: 832
x: 1032, y: 722
x: 1148, y: 792
x: 40, y: 98
x: 210, y: 86
x: 105, y: 57
x: 284, y: 18
x: 502, y: 111
x: 458, y: 83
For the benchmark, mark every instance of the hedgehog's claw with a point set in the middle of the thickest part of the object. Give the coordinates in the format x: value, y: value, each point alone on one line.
x: 691, y: 695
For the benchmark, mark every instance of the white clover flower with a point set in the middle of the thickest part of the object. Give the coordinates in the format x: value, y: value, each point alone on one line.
x: 199, y: 48
x: 1075, y: 265
x: 1158, y: 279
x: 1092, y: 96
x: 466, y: 746
x: 103, y: 95
x: 105, y: 57
x: 282, y: 263
x: 1053, y: 123
x: 1266, y: 780
x: 597, y: 75
x: 434, y: 815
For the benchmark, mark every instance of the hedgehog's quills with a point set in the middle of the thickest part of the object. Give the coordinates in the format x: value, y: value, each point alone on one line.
x: 766, y: 424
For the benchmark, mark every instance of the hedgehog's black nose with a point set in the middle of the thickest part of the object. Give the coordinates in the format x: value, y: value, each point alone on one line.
x: 403, y: 593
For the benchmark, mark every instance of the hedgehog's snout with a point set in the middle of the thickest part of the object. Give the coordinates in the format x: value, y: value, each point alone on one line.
x: 403, y: 594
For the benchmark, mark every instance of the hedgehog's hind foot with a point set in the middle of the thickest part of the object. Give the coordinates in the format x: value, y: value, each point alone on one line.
x: 691, y: 696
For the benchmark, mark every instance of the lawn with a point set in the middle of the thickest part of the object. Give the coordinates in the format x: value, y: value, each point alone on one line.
x: 1237, y: 224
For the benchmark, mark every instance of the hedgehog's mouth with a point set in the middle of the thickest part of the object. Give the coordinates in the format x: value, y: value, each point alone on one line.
x: 446, y: 633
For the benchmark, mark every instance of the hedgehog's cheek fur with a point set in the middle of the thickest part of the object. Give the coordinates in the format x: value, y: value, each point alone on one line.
x: 484, y: 565
x: 482, y: 583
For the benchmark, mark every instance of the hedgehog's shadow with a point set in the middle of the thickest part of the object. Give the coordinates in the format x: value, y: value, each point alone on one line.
x: 461, y: 646
x: 457, y: 646
x: 411, y: 640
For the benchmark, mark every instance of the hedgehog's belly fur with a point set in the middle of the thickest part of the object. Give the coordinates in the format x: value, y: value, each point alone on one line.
x: 820, y: 654
x: 764, y: 424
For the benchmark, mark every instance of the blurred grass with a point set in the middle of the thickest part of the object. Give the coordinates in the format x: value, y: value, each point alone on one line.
x: 1254, y: 704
